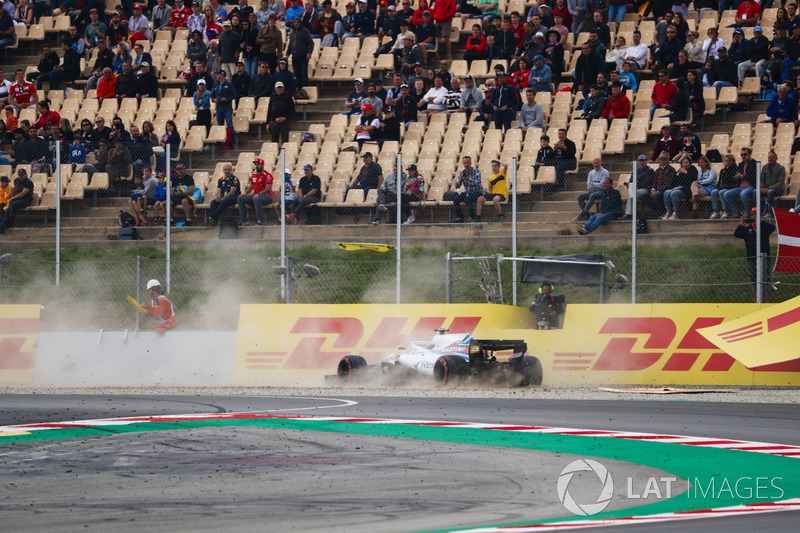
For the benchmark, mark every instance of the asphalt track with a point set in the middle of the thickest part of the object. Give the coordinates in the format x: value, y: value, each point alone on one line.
x: 247, y: 478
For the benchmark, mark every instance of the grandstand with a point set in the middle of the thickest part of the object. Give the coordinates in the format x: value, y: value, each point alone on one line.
x: 435, y: 144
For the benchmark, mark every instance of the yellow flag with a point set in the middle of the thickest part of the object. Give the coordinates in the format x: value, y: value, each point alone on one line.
x: 350, y: 246
x: 135, y: 304
x: 765, y: 337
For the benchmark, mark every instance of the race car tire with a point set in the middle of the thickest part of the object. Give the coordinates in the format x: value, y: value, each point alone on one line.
x: 449, y: 369
x: 530, y: 370
x: 351, y: 368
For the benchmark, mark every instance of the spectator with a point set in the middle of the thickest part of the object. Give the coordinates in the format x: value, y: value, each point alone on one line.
x: 780, y: 108
x: 241, y: 81
x: 179, y: 16
x: 107, y: 87
x: 680, y: 69
x: 22, y: 198
x: 243, y: 10
x: 369, y: 177
x: 147, y: 133
x: 285, y: 76
x: 368, y: 125
x: 434, y: 98
x: 77, y: 152
x: 196, y: 20
x: 594, y: 105
x: 308, y: 192
x: 141, y: 151
x: 618, y: 105
x: 119, y: 167
x: 663, y: 93
x: 353, y: 102
x: 229, y: 42
x: 610, y: 209
x: 212, y: 29
x: 636, y: 54
x: 161, y: 15
x: 223, y: 95
x: 497, y: 193
x: 200, y: 73
x: 228, y: 190
x: 588, y: 66
x: 220, y: 11
x: 773, y: 183
x: 125, y: 86
x: 453, y: 98
x: 541, y: 76
x: 470, y: 177
x: 281, y: 110
x: 712, y: 45
x: 147, y: 83
x: 685, y: 176
x: 704, y: 185
x: 294, y: 11
x: 696, y: 99
x: 757, y: 55
x: 471, y: 97
x: 616, y: 56
x: 724, y: 71
x: 426, y: 35
x: 689, y: 144
x: 8, y: 35
x: 666, y: 144
x: 663, y: 180
x: 594, y: 189
x: 257, y: 193
x: 504, y: 103
x: 141, y: 57
x: 406, y: 106
x: 197, y: 49
x: 249, y: 48
x: 532, y: 113
x: 667, y: 54
x: 326, y: 22
x: 22, y: 94
x: 599, y: 27
x: 409, y: 55
x: 644, y: 182
x: 727, y: 181
x: 748, y: 14
x: 746, y: 178
x: 6, y: 191
x: 48, y: 61
x: 184, y: 194
x: 738, y: 50
x: 95, y: 30
x: 747, y: 230
x: 387, y: 194
x: 263, y: 82
x: 363, y: 21
x: 475, y: 48
x: 172, y: 138
x: 564, y: 157
x: 413, y: 191
x: 138, y: 26
x: 47, y: 117
x: 100, y: 132
x: 105, y: 59
x: 679, y: 108
x: 301, y: 45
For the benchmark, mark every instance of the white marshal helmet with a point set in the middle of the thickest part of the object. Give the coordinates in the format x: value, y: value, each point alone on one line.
x: 153, y: 283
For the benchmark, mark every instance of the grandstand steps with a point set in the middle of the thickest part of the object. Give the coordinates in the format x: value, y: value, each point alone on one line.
x: 545, y: 236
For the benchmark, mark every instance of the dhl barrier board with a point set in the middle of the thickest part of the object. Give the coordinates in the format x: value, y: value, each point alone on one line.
x: 19, y: 328
x: 623, y: 344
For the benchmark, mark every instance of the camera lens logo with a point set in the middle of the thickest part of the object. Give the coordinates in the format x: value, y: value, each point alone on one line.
x: 587, y: 509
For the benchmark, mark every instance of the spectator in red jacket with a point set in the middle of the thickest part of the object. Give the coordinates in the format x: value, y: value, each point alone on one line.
x: 476, y: 45
x: 107, y: 87
x: 663, y: 93
x: 443, y: 12
x: 617, y: 105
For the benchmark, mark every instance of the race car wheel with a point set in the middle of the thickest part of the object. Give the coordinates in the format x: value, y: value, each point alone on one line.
x: 449, y: 369
x: 530, y: 370
x: 350, y: 368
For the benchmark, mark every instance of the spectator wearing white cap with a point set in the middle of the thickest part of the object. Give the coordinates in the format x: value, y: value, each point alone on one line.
x: 202, y: 103
x: 229, y: 43
x: 280, y: 111
x: 353, y: 102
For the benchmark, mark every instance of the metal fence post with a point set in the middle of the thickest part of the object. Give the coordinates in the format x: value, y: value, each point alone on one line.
x: 169, y: 220
x: 634, y: 189
x: 514, y: 229
x: 289, y: 280
x: 759, y: 264
x: 398, y: 194
x: 139, y: 281
x: 448, y: 279
x: 282, y: 170
x: 58, y: 213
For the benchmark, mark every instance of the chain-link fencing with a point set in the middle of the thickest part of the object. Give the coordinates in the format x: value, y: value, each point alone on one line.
x: 208, y: 292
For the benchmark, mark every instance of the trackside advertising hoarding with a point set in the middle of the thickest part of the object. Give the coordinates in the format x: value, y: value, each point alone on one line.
x: 600, y: 344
